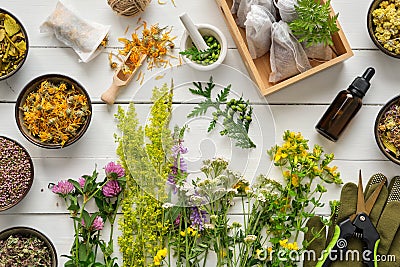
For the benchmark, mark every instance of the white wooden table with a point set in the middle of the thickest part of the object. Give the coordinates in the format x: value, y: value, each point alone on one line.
x: 297, y: 107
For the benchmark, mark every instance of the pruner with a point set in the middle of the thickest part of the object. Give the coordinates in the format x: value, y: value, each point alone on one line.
x: 359, y: 226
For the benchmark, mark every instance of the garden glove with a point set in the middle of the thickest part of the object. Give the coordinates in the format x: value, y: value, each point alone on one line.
x: 385, y: 216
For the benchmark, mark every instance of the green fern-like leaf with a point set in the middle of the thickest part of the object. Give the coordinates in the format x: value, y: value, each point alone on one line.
x: 212, y: 125
x: 223, y: 95
x: 314, y: 24
x: 201, y: 108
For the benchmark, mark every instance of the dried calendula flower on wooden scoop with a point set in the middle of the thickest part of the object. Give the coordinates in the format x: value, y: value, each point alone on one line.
x: 12, y: 44
x: 55, y: 113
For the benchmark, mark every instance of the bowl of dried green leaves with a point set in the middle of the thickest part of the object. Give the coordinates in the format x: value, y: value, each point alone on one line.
x: 387, y: 129
x: 13, y: 44
x: 24, y: 246
x: 53, y: 111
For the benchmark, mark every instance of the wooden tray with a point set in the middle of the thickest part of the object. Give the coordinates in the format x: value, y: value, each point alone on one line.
x: 259, y: 69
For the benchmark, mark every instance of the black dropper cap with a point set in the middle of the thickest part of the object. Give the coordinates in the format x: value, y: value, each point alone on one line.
x: 361, y: 84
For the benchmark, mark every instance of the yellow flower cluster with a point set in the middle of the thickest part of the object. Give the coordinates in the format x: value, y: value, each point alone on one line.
x: 161, y: 254
x: 290, y: 246
x: 386, y: 19
x: 190, y: 232
x: 295, y: 152
x: 142, y: 226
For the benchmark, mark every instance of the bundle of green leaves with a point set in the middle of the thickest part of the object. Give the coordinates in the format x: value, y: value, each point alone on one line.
x: 147, y: 163
x: 274, y: 214
x: 106, y: 194
x: 314, y: 24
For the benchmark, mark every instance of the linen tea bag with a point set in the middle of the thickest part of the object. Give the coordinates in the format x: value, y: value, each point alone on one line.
x: 286, y: 9
x: 258, y: 30
x: 83, y: 36
x: 287, y: 55
x: 245, y: 6
x: 319, y: 52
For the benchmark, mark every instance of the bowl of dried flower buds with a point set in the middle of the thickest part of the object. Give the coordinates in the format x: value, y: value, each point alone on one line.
x: 13, y: 44
x: 16, y: 173
x: 25, y: 246
x: 383, y: 22
x: 387, y: 130
x: 53, y: 111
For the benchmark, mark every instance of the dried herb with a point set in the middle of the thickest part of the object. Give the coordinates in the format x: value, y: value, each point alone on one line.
x: 236, y: 115
x: 386, y: 21
x: 15, y: 172
x: 389, y: 130
x: 55, y: 113
x: 12, y: 44
x: 24, y: 250
x: 155, y: 43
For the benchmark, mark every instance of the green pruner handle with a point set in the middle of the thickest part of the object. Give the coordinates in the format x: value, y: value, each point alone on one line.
x: 371, y: 239
x: 337, y: 247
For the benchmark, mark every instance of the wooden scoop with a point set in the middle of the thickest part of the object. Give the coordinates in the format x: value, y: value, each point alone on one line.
x: 119, y: 80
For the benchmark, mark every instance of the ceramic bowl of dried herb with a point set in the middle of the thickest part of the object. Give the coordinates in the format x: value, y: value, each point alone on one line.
x: 24, y: 246
x: 16, y: 173
x: 383, y: 22
x: 387, y: 130
x: 13, y: 44
x: 53, y: 111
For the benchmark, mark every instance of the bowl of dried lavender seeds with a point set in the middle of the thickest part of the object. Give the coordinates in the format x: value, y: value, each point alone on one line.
x: 16, y: 173
x: 13, y: 44
x: 24, y: 246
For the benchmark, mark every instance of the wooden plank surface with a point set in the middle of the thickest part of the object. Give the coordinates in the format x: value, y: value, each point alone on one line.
x: 297, y: 107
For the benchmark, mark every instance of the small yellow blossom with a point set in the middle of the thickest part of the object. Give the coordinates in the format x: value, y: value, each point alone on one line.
x: 295, y: 180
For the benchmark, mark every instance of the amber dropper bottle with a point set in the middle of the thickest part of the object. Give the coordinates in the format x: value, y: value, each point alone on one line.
x: 344, y: 107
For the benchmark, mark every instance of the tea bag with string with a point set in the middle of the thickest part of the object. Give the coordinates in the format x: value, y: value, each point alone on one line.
x: 287, y: 56
x: 319, y: 51
x: 85, y: 37
x: 286, y: 9
x: 258, y: 30
x: 235, y: 6
x: 244, y: 8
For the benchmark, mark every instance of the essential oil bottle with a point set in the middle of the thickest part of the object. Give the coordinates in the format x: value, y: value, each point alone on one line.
x: 344, y: 107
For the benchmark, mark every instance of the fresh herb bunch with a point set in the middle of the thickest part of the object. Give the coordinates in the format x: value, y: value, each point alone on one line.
x: 314, y: 25
x: 24, y: 250
x: 237, y: 114
x: 143, y: 229
x: 205, y: 57
x: 107, y: 196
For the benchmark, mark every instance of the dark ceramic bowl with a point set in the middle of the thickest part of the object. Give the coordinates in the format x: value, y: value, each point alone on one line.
x: 10, y: 205
x: 33, y: 86
x: 389, y: 154
x: 371, y: 29
x: 26, y: 41
x: 26, y: 231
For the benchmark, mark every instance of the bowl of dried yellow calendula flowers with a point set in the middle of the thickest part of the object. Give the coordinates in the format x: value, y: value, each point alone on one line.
x: 383, y: 22
x: 53, y: 111
x: 13, y: 44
